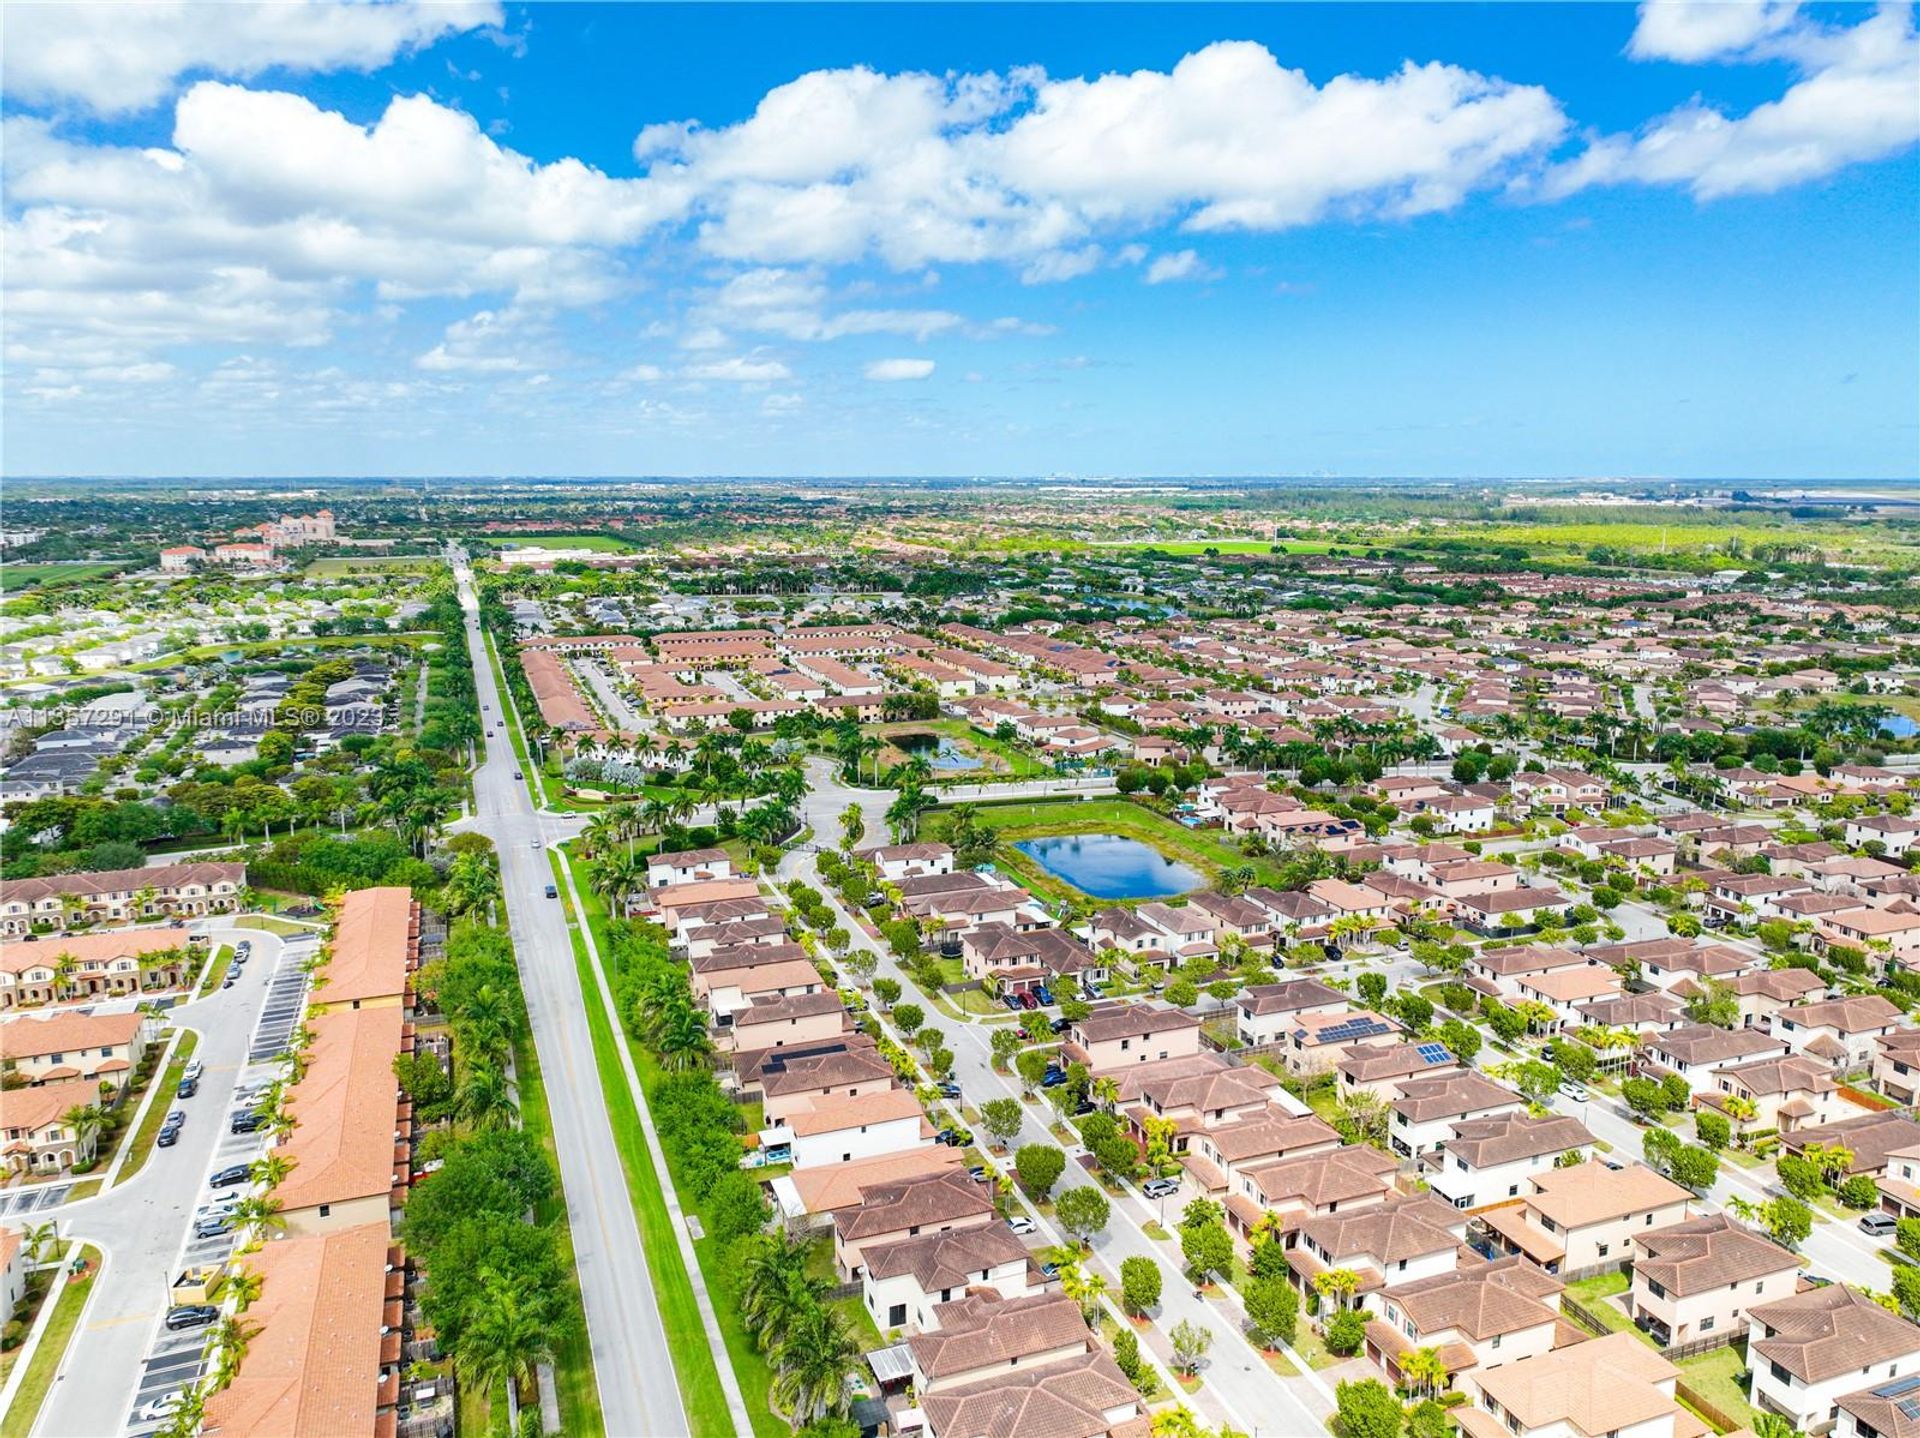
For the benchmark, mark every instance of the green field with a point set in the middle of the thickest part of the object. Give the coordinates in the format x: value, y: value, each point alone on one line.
x: 595, y: 543
x: 29, y: 576
x: 1047, y: 818
x: 1224, y: 546
x: 372, y: 564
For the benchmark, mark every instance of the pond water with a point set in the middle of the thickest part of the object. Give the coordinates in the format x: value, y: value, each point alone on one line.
x: 937, y: 749
x: 1108, y: 866
x: 1899, y: 726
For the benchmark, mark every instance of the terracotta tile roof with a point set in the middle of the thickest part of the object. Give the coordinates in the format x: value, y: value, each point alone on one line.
x: 29, y: 1036
x: 1597, y: 1387
x: 1319, y: 1179
x: 1506, y: 1137
x: 344, y: 1109
x: 1478, y: 1302
x: 1130, y: 1021
x: 371, y: 947
x: 837, y: 1112
x: 1870, y: 1137
x: 836, y: 1187
x: 1825, y: 1332
x: 927, y: 1198
x: 123, y: 881
x: 1062, y: 1400
x: 951, y: 1259
x: 1424, y: 1099
x: 1703, y: 1254
x: 312, y: 1370
x: 1405, y: 1228
x: 984, y: 1330
x: 1882, y: 1410
x: 1591, y: 1192
x: 103, y: 947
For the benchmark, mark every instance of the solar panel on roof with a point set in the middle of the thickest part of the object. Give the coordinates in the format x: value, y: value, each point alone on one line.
x: 1434, y: 1053
x: 1909, y: 1407
x: 1898, y: 1387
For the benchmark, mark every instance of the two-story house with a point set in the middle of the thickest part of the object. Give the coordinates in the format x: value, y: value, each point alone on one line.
x: 1582, y: 1219
x: 903, y: 1284
x: 1425, y: 1110
x: 1494, y: 1160
x: 1696, y: 1279
x: 1808, y: 1350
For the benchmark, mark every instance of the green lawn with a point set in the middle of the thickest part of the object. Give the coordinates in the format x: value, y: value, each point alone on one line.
x: 1712, y: 1376
x: 217, y: 970
x: 1604, y: 1285
x: 1047, y: 818
x: 157, y: 1110
x: 371, y: 564
x: 70, y: 1302
x: 700, y: 1387
x: 573, y: 1374
x: 282, y: 927
x: 596, y: 543
x: 27, y: 576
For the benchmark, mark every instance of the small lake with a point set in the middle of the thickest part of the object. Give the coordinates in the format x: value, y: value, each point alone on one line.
x: 1899, y: 726
x: 937, y: 749
x: 1108, y: 866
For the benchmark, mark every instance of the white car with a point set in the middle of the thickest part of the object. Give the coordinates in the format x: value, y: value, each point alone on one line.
x: 1022, y: 1225
x: 1574, y: 1092
x: 156, y: 1409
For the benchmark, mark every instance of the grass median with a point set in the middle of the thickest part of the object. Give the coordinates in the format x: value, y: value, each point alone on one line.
x: 168, y: 1083
x: 699, y: 1379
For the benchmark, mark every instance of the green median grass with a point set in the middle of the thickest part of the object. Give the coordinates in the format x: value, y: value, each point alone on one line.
x: 69, y: 1300
x: 699, y: 1379
x: 167, y: 1082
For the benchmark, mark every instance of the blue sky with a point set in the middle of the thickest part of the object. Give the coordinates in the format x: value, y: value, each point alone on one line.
x: 1502, y: 240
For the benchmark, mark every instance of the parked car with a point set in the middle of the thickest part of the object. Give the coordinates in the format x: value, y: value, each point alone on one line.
x: 1049, y: 1270
x: 1044, y: 994
x: 188, y: 1088
x: 246, y: 1121
x: 1022, y: 1225
x: 1060, y: 1026
x: 192, y: 1315
x: 954, y: 1137
x: 230, y: 1175
x: 1028, y: 1001
x: 949, y: 1089
x: 1011, y: 1000
x: 167, y: 1137
x: 193, y: 1070
x: 1573, y: 1091
x: 1880, y: 1225
x: 225, y: 1201
x: 1054, y: 1078
x: 552, y: 892
x: 1160, y: 1187
x: 978, y: 1173
x: 1022, y: 1034
x: 213, y: 1225
x: 156, y: 1409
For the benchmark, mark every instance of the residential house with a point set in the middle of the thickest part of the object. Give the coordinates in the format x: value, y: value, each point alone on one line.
x: 350, y: 1146
x: 120, y: 895
x: 1425, y: 1110
x: 54, y: 1047
x: 893, y: 1211
x: 1478, y: 1318
x: 1808, y: 1350
x: 1120, y: 1035
x: 841, y: 1128
x: 1401, y: 1241
x: 984, y: 1335
x: 1582, y: 1219
x: 903, y: 1284
x: 1784, y: 1093
x: 1612, y: 1387
x: 1695, y: 1279
x: 1698, y: 1052
x: 1266, y: 1012
x: 1494, y: 1160
x: 1845, y: 1032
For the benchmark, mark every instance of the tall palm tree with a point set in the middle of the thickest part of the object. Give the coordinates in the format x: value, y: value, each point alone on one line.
x: 1425, y: 1371
x: 269, y: 1169
x: 246, y: 1287
x: 231, y: 1336
x: 683, y: 1040
x: 816, y: 1366
x: 511, y: 1331
x: 260, y: 1211
x: 483, y: 1100
x: 37, y: 1238
x: 85, y: 1121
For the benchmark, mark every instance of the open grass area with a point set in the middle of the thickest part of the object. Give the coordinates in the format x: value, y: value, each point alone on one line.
x: 699, y: 1380
x: 202, y: 652
x: 1046, y: 818
x: 1225, y: 546
x: 372, y: 564
x: 70, y: 1300
x: 573, y: 1374
x: 29, y: 576
x: 591, y: 543
x: 1602, y: 1285
x: 168, y: 1081
x: 1003, y: 759
x: 1714, y: 1376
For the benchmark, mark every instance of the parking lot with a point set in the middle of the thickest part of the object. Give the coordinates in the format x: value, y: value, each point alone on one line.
x: 123, y: 1357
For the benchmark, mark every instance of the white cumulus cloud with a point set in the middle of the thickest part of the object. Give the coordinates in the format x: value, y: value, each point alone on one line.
x: 738, y: 369
x: 1182, y: 265
x: 900, y: 369
x: 117, y: 57
x: 1858, y: 100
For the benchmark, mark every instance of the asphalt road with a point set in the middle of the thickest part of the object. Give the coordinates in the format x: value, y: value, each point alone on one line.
x: 633, y: 1362
x: 120, y: 1356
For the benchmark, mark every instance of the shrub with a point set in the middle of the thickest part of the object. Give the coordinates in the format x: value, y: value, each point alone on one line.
x: 1346, y: 1331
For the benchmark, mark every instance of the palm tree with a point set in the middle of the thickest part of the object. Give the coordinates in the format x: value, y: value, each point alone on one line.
x: 188, y: 1414
x: 85, y: 1121
x: 37, y: 1238
x: 1425, y: 1371
x: 508, y: 1335
x: 270, y: 1168
x: 1085, y: 1289
x: 773, y: 1287
x: 1337, y: 1284
x: 483, y: 1099
x: 683, y: 1040
x: 246, y: 1287
x: 260, y: 1211
x: 231, y: 1336
x: 816, y: 1366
